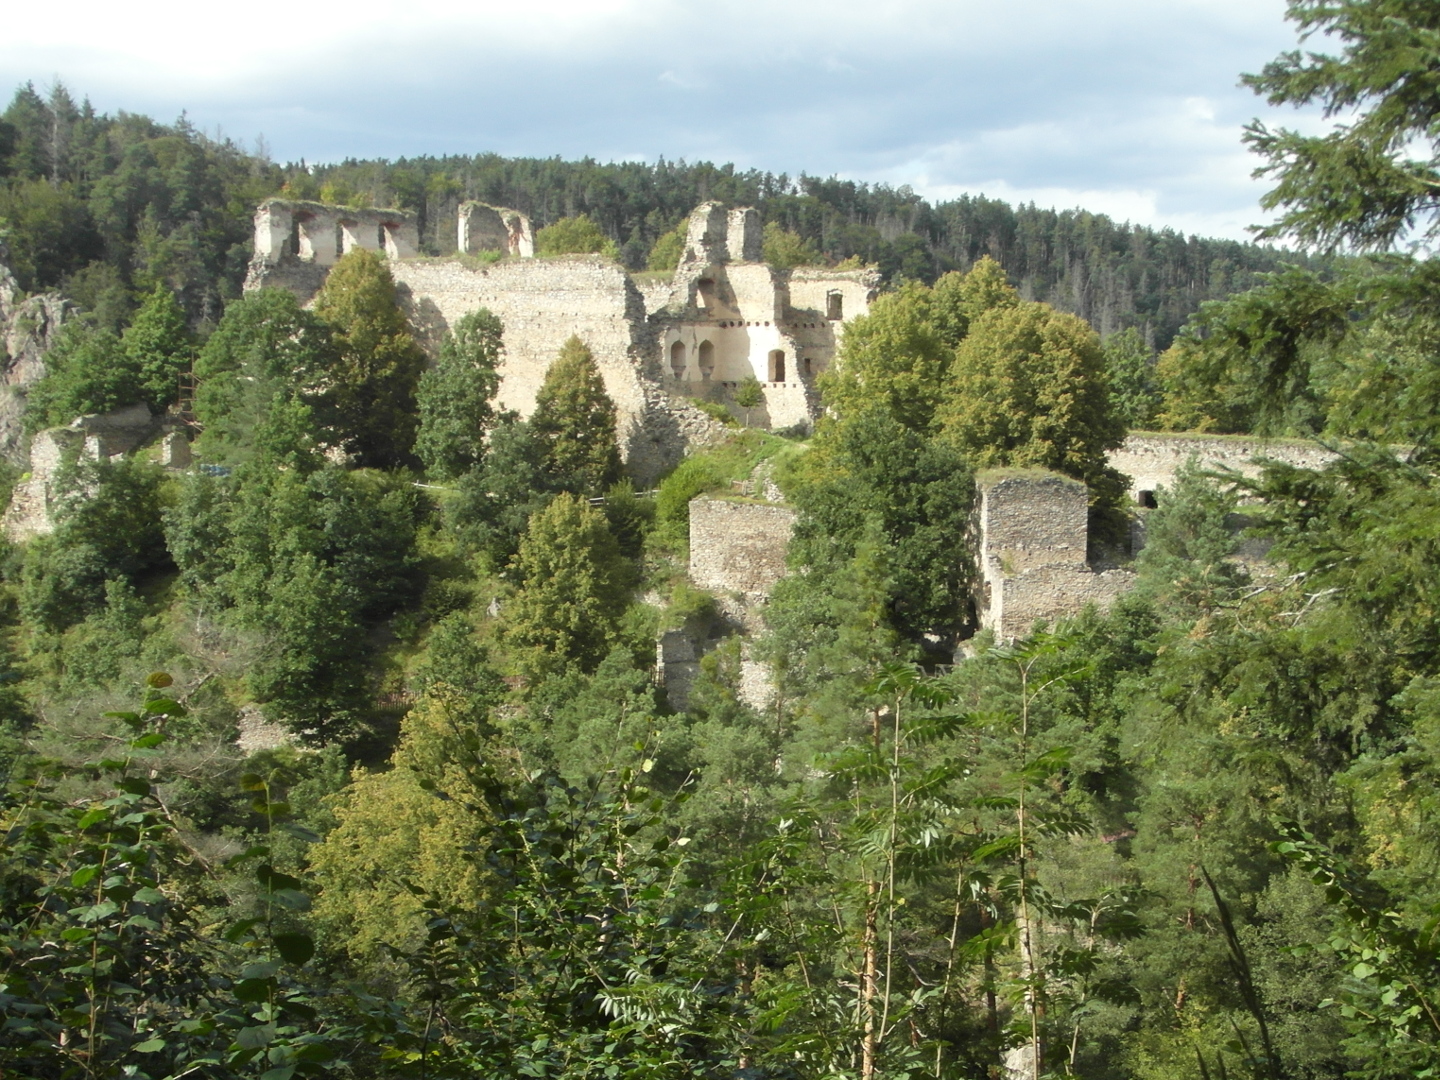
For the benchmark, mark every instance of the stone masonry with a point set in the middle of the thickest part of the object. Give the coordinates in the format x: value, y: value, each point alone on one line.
x: 1151, y: 460
x: 724, y: 317
x: 98, y: 437
x: 1032, y: 533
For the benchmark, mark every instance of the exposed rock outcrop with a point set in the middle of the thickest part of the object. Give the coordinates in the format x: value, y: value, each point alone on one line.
x: 29, y: 326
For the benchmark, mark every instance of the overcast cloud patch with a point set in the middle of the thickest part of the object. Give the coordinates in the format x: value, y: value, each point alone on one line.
x: 1123, y: 107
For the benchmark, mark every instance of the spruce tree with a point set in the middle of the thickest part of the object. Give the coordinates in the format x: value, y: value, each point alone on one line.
x: 575, y: 585
x: 160, y: 347
x: 574, y: 421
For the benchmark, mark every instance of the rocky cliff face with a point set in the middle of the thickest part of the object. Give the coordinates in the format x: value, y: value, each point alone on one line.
x: 29, y: 326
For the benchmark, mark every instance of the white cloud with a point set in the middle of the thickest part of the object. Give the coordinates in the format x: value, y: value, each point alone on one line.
x: 1126, y: 106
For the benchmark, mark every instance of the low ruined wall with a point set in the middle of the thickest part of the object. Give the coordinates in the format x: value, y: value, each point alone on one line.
x: 1152, y: 460
x: 1051, y: 593
x: 738, y: 545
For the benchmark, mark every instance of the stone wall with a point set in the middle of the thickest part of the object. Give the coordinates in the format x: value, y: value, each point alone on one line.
x: 1032, y: 536
x: 1152, y: 460
x: 737, y: 546
x: 722, y: 318
x: 292, y: 229
x: 542, y: 303
x: 98, y: 437
x: 493, y: 228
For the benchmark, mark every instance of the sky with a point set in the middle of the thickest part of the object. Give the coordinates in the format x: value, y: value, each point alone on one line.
x: 1126, y: 107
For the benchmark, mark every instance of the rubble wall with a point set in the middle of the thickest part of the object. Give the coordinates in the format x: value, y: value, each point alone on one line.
x: 1152, y: 460
x: 738, y: 545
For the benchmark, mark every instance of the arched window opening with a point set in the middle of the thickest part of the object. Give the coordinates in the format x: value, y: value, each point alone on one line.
x: 805, y: 366
x: 677, y: 359
x: 777, y: 365
x: 834, y: 306
x: 1146, y: 499
x: 705, y: 293
x: 707, y: 360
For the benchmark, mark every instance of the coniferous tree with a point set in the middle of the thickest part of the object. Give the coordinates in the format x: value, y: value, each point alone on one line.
x: 574, y: 587
x: 456, y: 397
x: 268, y: 354
x: 574, y: 421
x: 160, y: 346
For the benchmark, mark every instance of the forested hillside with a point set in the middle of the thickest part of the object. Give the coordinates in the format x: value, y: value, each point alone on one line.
x: 342, y: 752
x: 101, y: 205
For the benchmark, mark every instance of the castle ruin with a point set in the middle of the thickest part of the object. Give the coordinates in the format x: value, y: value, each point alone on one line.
x: 723, y: 317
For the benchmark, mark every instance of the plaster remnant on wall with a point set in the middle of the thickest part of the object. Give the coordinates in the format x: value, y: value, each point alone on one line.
x: 297, y: 241
x: 494, y: 228
x: 1032, y: 538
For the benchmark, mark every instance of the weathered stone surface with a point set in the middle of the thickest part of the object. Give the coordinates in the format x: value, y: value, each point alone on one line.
x: 494, y: 228
x: 724, y: 317
x: 1152, y: 460
x: 737, y: 546
x: 100, y: 436
x: 1032, y: 535
x: 292, y: 230
x: 29, y: 327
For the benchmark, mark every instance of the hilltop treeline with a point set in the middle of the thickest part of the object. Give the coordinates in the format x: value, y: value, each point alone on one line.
x: 106, y: 207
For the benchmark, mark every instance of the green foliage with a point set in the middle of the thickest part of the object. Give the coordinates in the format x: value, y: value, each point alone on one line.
x: 892, y: 357
x: 455, y: 397
x: 918, y: 493
x: 493, y: 503
x: 574, y: 586
x: 394, y: 818
x: 574, y: 236
x: 110, y: 965
x: 91, y: 370
x: 107, y: 529
x: 899, y: 354
x: 88, y: 371
x: 1245, y: 363
x: 1130, y: 371
x: 665, y: 254
x: 1190, y: 543
x: 369, y: 399
x: 144, y: 204
x: 574, y: 423
x: 1370, y: 181
x: 784, y: 249
x: 160, y: 346
x: 303, y: 563
x: 267, y: 355
x: 1029, y: 388
x: 749, y: 395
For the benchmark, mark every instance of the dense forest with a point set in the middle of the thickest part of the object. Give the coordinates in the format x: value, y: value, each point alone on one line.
x: 343, y: 752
